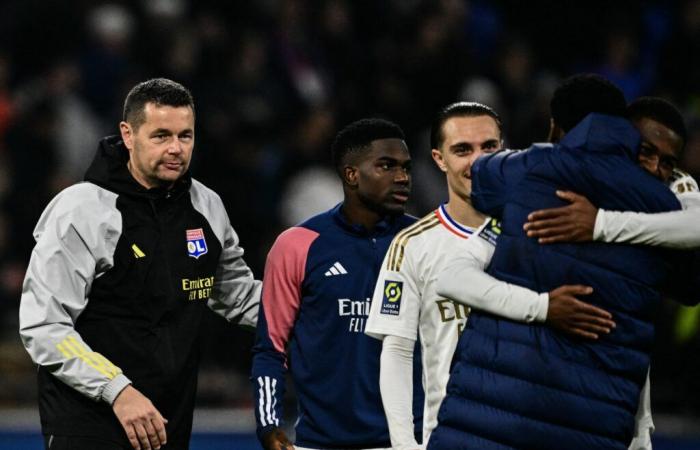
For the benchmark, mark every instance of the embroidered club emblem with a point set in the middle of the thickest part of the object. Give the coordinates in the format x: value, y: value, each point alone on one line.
x: 196, y: 244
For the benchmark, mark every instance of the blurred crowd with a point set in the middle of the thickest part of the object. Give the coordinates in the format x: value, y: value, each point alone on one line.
x: 273, y: 80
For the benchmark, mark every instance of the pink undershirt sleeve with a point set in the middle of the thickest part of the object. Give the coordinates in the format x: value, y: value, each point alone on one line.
x: 284, y: 273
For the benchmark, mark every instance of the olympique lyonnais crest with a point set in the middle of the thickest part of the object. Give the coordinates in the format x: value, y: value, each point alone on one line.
x: 196, y: 244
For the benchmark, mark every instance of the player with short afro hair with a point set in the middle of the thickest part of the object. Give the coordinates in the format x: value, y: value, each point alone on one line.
x: 660, y: 110
x: 580, y: 95
x: 356, y: 138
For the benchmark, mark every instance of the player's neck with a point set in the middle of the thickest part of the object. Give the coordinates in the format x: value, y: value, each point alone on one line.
x: 462, y: 211
x: 358, y: 214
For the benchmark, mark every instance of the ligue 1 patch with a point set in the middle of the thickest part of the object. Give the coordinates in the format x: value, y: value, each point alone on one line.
x: 196, y: 244
x: 391, y: 300
x: 491, y: 231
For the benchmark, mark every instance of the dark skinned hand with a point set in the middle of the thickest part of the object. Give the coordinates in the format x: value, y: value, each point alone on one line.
x: 570, y: 223
x: 568, y: 314
x: 277, y: 440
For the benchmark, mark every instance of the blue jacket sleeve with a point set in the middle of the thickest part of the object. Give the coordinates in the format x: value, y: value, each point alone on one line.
x: 279, y: 307
x: 268, y: 377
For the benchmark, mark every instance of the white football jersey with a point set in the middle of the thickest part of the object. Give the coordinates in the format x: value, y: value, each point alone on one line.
x: 405, y: 302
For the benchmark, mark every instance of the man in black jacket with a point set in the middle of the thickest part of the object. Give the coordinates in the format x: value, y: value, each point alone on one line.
x: 123, y: 268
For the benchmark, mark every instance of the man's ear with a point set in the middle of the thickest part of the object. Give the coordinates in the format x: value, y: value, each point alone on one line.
x: 127, y: 134
x: 439, y: 160
x: 350, y: 175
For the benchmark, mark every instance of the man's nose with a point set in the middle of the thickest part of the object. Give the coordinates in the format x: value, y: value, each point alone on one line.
x: 651, y: 163
x: 402, y: 175
x: 175, y: 147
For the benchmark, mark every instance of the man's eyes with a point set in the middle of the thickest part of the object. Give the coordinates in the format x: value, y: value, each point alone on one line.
x: 462, y: 150
x: 164, y: 137
x: 394, y: 166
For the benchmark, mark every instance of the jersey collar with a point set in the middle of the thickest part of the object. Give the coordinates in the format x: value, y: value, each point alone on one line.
x: 382, y: 227
x: 452, y: 225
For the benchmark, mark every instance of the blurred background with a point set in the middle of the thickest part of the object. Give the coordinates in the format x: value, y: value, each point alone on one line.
x: 273, y: 81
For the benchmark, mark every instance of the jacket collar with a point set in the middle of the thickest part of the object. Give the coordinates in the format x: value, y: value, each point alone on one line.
x: 604, y: 134
x: 109, y: 170
x: 383, y: 226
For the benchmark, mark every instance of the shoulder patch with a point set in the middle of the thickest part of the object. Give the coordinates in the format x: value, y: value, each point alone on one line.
x: 491, y: 231
x: 681, y: 182
x: 391, y: 298
x: 398, y: 245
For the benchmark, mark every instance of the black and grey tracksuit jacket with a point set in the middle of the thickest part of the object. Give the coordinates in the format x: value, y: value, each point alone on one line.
x: 115, y: 292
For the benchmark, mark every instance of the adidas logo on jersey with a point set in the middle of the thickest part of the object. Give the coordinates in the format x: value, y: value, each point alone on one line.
x: 336, y: 269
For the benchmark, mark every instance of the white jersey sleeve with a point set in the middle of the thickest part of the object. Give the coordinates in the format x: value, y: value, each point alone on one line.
x: 395, y: 379
x: 465, y: 281
x: 674, y: 229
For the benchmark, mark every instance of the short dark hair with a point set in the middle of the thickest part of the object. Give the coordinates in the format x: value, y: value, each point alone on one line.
x: 459, y: 109
x: 160, y: 91
x: 583, y: 94
x: 357, y: 137
x: 660, y: 110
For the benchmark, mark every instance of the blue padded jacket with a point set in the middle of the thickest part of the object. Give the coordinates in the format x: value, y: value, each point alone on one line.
x: 524, y: 386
